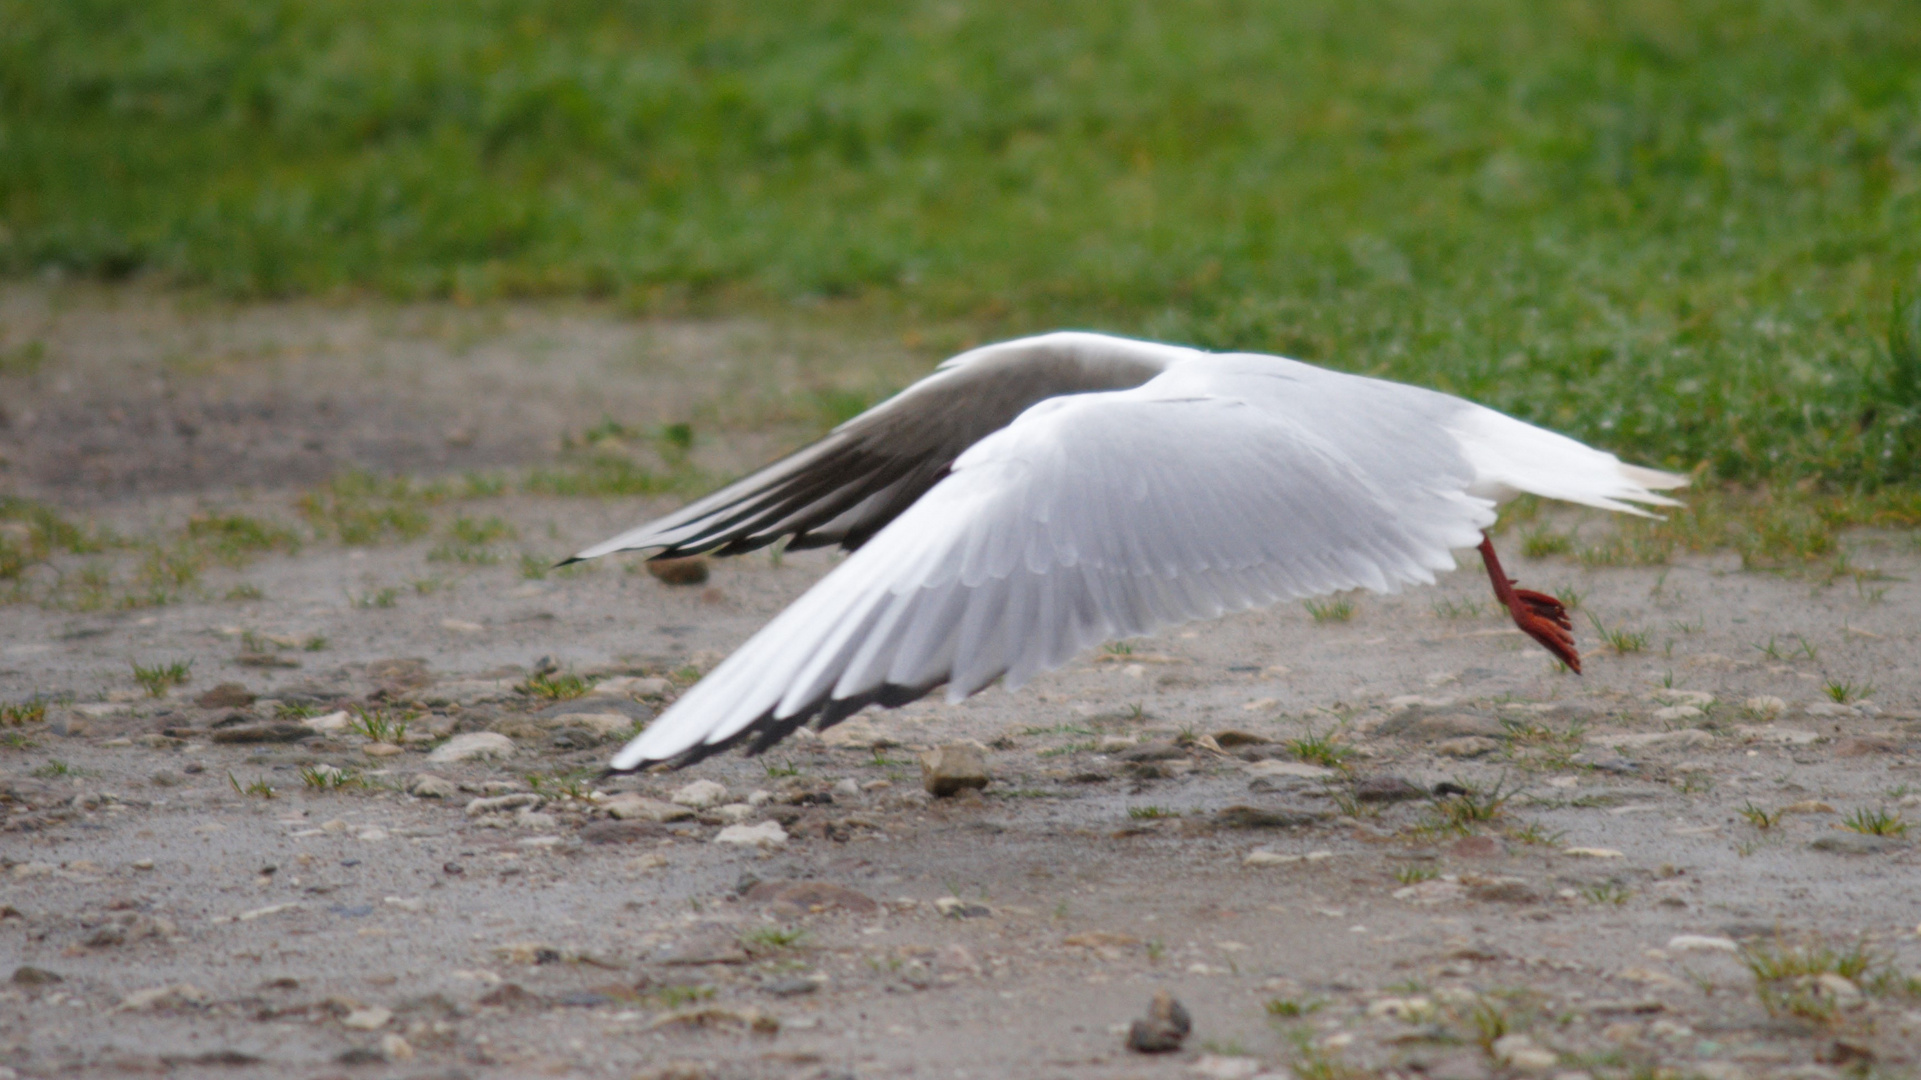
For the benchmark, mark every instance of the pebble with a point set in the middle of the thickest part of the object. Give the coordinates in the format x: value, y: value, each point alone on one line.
x: 629, y: 806
x: 1164, y: 1027
x: 735, y: 813
x: 691, y: 570
x: 1674, y: 714
x: 1521, y: 1053
x: 1288, y: 768
x: 847, y: 787
x: 1863, y: 746
x: 371, y: 1018
x: 329, y: 722
x: 28, y: 975
x: 948, y: 770
x: 525, y: 800
x: 1701, y: 943
x: 1477, y: 847
x: 1387, y: 789
x: 631, y: 686
x: 604, y: 725
x: 700, y: 795
x: 1467, y: 746
x: 1222, y: 1067
x: 428, y: 786
x: 1765, y: 706
x: 810, y: 896
x: 395, y: 1048
x: 767, y: 834
x: 857, y: 733
x: 1254, y: 817
x: 179, y: 995
x: 1592, y: 853
x: 276, y: 732
x: 472, y: 746
x: 227, y: 695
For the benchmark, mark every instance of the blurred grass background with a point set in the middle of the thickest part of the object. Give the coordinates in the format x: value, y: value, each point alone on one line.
x: 1686, y: 231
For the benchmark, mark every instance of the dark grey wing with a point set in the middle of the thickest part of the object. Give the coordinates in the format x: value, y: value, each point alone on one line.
x: 846, y: 487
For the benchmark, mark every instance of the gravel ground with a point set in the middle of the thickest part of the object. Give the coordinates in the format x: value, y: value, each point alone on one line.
x: 181, y: 889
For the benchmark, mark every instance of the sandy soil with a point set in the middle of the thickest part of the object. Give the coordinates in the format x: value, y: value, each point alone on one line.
x: 1148, y: 826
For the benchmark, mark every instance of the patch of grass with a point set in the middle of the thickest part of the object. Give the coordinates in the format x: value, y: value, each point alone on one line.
x: 1620, y: 639
x: 1293, y: 1008
x: 1787, y: 977
x: 294, y: 710
x: 1540, y: 543
x: 258, y: 787
x: 576, y: 785
x: 1842, y: 691
x: 378, y: 724
x: 680, y: 996
x: 384, y: 597
x: 1458, y: 609
x: 1414, y: 873
x: 157, y: 679
x: 777, y: 770
x: 1464, y: 811
x: 55, y: 769
x: 1606, y: 892
x: 245, y: 591
x: 1759, y: 818
x: 1323, y: 749
x: 770, y: 938
x: 17, y: 740
x: 1536, y: 834
x: 314, y: 643
x: 20, y: 714
x: 1569, y: 596
x: 234, y: 539
x: 533, y: 567
x: 1334, y: 609
x: 564, y: 687
x: 360, y: 509
x: 330, y: 778
x: 1151, y: 813
x: 1875, y: 823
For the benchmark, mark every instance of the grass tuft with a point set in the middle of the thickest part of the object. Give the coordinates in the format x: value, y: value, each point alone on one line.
x: 157, y: 679
x: 1336, y: 609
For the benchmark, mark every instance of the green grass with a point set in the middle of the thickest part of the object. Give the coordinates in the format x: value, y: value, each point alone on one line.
x: 1875, y: 823
x: 557, y: 687
x: 1336, y: 609
x: 157, y: 679
x: 378, y: 724
x: 1151, y: 813
x: 1620, y: 639
x: 1674, y: 229
x: 1320, y: 748
x: 20, y: 714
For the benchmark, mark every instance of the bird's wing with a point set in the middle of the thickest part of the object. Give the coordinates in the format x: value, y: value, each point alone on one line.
x: 1098, y: 516
x: 846, y: 487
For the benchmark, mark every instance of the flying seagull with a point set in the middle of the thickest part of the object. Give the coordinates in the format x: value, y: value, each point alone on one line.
x: 1033, y: 498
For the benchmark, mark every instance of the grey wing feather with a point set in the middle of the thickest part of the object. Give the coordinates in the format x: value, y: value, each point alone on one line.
x: 846, y: 487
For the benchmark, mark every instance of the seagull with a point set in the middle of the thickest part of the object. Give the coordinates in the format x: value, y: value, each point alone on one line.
x: 1033, y: 498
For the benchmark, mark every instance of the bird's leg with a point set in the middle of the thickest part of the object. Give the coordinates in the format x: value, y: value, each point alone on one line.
x: 1541, y: 616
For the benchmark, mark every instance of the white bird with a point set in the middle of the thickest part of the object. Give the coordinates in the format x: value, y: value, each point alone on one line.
x: 1034, y: 498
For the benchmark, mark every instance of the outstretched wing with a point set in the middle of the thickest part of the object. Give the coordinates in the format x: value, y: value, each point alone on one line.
x: 846, y: 487
x: 1225, y: 483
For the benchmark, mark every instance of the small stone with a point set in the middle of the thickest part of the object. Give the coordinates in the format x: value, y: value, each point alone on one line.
x: 474, y: 745
x: 382, y: 750
x: 1223, y: 1067
x: 847, y: 787
x: 1254, y: 817
x: 28, y: 975
x: 1477, y: 847
x: 1521, y: 1053
x: 277, y: 732
x: 1431, y: 728
x: 1457, y: 1065
x: 228, y: 695
x: 1592, y: 853
x: 1863, y: 746
x: 1231, y: 738
x: 735, y: 813
x: 601, y: 725
x: 1301, y: 769
x: 857, y: 733
x: 338, y: 720
x: 953, y: 907
x: 1765, y: 706
x: 1858, y: 844
x: 1468, y: 746
x: 1674, y: 714
x: 632, y: 686
x: 1650, y: 740
x: 701, y: 794
x: 428, y: 786
x: 1164, y: 1027
x: 629, y: 806
x: 177, y: 996
x: 504, y: 804
x: 1701, y: 943
x: 1698, y: 699
x: 950, y: 769
x: 1501, y: 890
x: 1387, y: 789
x: 371, y: 1018
x: 395, y: 1048
x: 691, y: 570
x: 372, y: 835
x: 767, y: 834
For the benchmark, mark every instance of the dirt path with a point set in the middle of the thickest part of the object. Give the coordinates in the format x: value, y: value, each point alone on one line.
x: 159, y: 912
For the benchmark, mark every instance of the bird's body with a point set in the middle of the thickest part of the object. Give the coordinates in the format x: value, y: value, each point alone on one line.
x: 1034, y: 498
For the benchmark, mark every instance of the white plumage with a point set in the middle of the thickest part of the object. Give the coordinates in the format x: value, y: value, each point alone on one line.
x: 1034, y: 498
